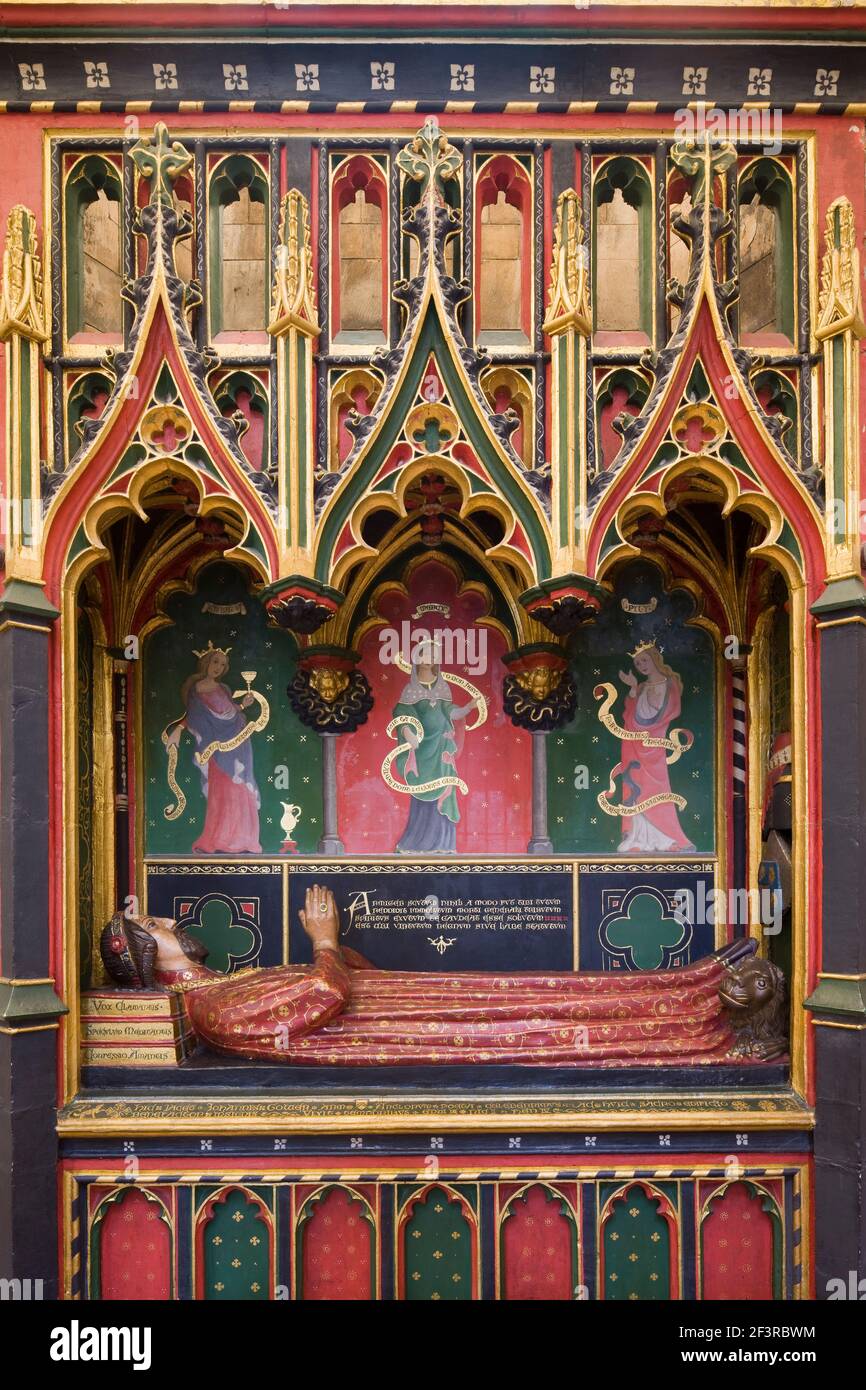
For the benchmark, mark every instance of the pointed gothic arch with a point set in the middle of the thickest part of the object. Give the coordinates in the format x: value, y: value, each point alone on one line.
x: 93, y: 207
x: 359, y: 274
x: 504, y: 253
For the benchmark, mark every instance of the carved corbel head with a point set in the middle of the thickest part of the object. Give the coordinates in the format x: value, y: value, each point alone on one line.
x: 328, y: 692
x: 538, y: 692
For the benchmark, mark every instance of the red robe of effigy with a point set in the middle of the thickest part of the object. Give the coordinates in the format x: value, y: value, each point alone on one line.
x: 330, y: 1014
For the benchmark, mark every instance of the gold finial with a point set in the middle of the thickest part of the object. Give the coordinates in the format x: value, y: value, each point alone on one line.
x: 568, y: 297
x: 21, y: 307
x: 294, y: 296
x: 839, y: 305
x: 429, y: 158
x: 162, y: 159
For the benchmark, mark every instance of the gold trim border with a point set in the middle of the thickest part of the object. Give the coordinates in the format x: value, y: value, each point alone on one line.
x: 399, y: 1114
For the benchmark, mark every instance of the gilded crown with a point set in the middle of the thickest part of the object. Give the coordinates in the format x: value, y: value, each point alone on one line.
x: 644, y: 647
x: 211, y: 650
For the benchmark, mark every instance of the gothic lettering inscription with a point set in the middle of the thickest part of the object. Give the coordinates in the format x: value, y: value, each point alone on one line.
x: 481, y: 920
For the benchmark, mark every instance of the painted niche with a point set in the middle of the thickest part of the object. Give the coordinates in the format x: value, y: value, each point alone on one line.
x: 224, y: 755
x: 634, y: 773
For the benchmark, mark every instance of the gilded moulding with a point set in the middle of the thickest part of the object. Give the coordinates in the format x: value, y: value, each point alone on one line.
x: 211, y: 1116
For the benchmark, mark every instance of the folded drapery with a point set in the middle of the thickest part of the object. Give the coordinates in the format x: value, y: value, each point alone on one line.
x: 331, y: 1014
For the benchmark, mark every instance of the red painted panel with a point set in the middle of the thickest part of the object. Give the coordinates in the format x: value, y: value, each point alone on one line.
x: 134, y: 1249
x: 494, y: 761
x: 336, y: 1249
x: 538, y: 1248
x: 737, y: 1246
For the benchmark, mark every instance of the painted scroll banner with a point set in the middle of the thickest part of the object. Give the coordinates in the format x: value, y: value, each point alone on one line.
x: 427, y: 916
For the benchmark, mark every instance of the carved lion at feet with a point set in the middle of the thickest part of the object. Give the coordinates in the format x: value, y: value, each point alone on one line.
x: 756, y: 997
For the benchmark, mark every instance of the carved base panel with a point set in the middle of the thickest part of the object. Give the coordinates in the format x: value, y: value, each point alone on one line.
x: 425, y: 1223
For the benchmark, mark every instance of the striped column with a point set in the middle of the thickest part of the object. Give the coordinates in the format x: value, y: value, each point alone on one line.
x: 739, y: 734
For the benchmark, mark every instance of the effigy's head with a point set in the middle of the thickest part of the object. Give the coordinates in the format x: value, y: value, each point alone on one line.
x: 131, y: 946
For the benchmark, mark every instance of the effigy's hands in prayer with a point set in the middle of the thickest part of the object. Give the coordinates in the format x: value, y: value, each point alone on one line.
x: 320, y: 918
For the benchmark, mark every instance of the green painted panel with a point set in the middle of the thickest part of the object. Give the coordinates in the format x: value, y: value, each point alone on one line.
x: 665, y: 455
x: 737, y: 459
x: 789, y: 542
x: 637, y: 1250
x: 583, y: 755
x: 437, y: 1249
x: 255, y: 545
x: 79, y: 544
x: 197, y: 456
x: 236, y: 1252
x: 280, y: 763
x: 561, y: 463
x: 128, y: 461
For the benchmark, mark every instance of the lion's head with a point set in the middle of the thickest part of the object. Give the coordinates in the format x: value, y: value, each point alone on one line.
x: 755, y: 995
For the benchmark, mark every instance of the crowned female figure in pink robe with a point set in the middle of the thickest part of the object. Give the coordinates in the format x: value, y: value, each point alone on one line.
x: 228, y: 782
x: 651, y: 706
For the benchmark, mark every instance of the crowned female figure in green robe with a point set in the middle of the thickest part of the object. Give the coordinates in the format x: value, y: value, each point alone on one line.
x: 428, y: 765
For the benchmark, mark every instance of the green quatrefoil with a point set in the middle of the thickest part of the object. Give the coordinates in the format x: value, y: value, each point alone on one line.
x: 646, y: 929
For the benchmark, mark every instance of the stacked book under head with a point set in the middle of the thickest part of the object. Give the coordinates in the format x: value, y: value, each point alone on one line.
x: 134, y: 1028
